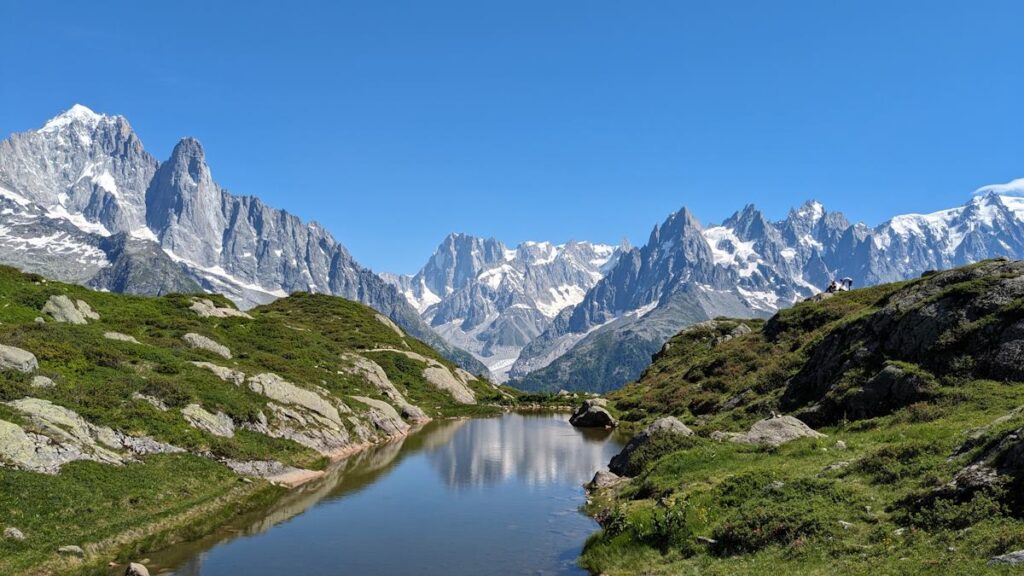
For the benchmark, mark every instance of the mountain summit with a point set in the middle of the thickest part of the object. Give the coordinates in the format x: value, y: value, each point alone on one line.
x: 85, y: 177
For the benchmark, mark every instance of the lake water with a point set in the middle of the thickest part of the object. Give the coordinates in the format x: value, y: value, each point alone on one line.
x: 469, y: 497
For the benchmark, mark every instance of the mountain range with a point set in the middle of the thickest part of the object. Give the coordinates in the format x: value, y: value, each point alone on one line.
x: 82, y: 201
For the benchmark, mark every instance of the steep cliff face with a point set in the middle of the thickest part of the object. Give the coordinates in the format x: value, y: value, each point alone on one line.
x: 84, y: 177
x: 493, y: 300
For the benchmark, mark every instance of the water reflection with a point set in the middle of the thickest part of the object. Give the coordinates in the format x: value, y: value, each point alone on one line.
x: 483, y: 496
x: 535, y: 449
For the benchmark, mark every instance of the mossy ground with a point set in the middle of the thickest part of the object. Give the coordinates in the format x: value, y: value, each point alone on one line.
x: 810, y: 506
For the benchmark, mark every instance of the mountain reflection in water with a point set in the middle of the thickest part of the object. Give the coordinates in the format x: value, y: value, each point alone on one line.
x: 483, y: 496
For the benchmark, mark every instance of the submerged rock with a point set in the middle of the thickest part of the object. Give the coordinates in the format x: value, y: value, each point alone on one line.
x: 12, y: 358
x: 593, y: 414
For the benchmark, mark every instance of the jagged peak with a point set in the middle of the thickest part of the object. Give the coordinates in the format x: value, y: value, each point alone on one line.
x: 76, y: 114
x: 188, y: 147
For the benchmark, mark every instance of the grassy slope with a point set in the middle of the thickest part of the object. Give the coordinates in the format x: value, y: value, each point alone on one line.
x: 783, y: 509
x: 301, y: 338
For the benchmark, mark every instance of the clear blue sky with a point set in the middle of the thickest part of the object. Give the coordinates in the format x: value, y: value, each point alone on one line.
x: 394, y: 123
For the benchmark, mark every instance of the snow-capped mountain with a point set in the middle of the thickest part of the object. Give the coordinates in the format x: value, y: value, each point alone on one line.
x: 492, y: 300
x: 751, y: 266
x: 81, y: 200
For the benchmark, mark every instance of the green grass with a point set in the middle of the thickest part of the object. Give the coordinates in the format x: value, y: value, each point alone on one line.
x: 302, y: 338
x: 810, y: 506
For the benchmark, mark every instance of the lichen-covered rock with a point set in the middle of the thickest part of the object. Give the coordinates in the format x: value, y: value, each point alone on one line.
x: 218, y: 424
x: 120, y: 337
x: 152, y: 401
x: 621, y: 463
x: 375, y: 375
x: 12, y: 358
x: 304, y: 427
x: 42, y: 382
x: 68, y: 428
x: 1009, y: 559
x: 63, y: 309
x: 201, y: 342
x: 442, y: 378
x: 12, y: 533
x: 888, y: 390
x: 280, y: 390
x: 777, y: 431
x: 383, y: 416
x: 236, y: 377
x: 593, y: 414
x: 439, y: 376
x: 207, y: 309
x: 71, y: 550
x: 387, y: 322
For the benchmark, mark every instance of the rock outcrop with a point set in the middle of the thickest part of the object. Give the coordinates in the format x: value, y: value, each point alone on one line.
x: 621, y: 463
x: 205, y: 308
x: 201, y: 342
x: 383, y: 416
x: 218, y: 424
x: 236, y: 377
x: 120, y: 337
x: 375, y: 375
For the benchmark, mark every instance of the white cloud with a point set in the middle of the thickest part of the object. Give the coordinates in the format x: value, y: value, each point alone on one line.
x: 1013, y: 187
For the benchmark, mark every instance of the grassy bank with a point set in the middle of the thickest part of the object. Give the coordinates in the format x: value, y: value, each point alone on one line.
x: 879, y: 494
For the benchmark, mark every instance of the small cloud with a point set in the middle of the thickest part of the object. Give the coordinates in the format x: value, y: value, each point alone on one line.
x: 1013, y: 188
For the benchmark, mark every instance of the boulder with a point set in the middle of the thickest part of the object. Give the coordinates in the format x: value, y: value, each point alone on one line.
x: 593, y: 414
x: 120, y: 337
x: 1010, y: 558
x: 12, y: 358
x: 201, y: 342
x: 71, y: 551
x: 604, y: 479
x: 218, y: 424
x: 12, y: 533
x: 669, y: 426
x: 136, y: 569
x: 207, y: 309
x: 439, y: 376
x: 777, y: 431
x: 42, y: 382
x: 62, y: 309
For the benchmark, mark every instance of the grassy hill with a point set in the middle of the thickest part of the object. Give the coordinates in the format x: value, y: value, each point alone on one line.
x: 918, y: 386
x: 133, y: 434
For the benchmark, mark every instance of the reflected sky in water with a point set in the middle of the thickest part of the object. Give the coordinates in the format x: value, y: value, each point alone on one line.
x: 473, y: 497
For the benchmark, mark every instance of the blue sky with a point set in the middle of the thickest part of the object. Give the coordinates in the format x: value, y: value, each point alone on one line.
x: 394, y: 123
